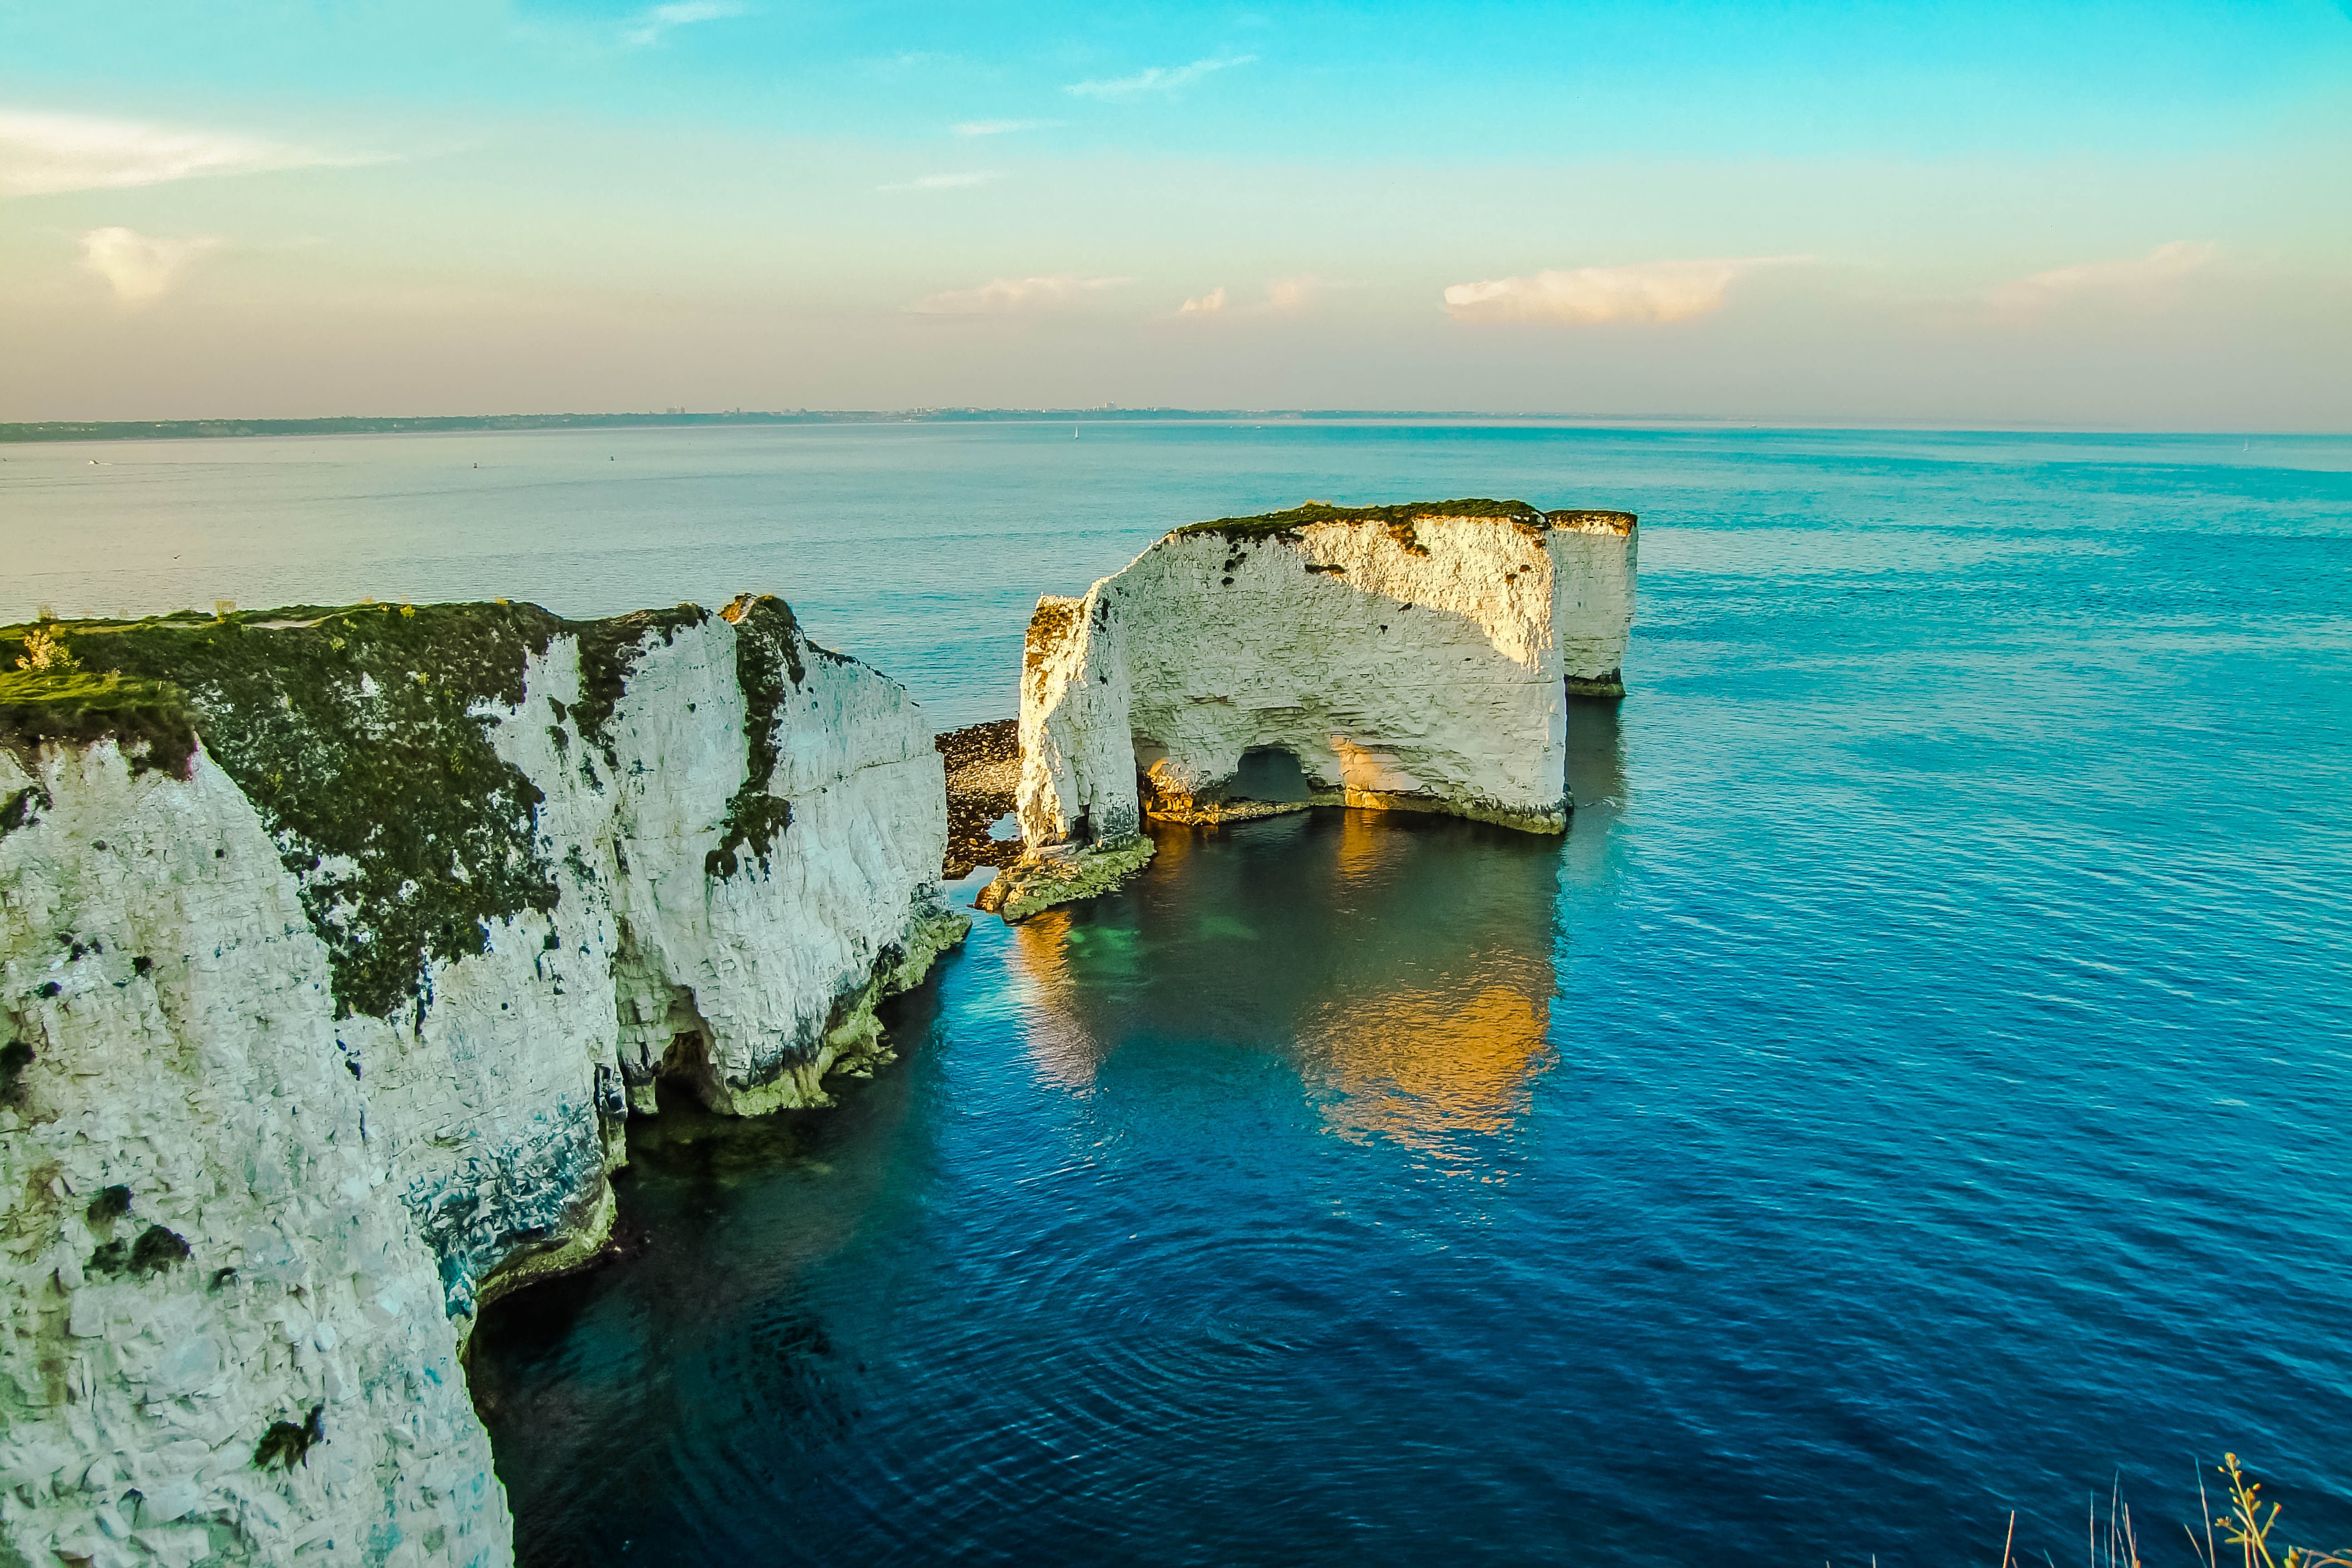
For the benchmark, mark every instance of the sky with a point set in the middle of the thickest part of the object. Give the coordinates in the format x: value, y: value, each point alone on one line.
x: 2089, y: 216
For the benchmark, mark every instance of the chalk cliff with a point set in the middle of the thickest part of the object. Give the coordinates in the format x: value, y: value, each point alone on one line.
x: 336, y: 948
x: 1407, y: 657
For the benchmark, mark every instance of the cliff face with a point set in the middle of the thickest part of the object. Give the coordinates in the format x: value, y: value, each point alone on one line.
x: 1412, y: 658
x: 334, y: 953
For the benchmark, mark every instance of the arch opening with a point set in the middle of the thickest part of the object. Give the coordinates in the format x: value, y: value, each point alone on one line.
x: 1269, y: 773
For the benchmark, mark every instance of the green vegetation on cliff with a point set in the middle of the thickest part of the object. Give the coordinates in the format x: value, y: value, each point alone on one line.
x: 151, y: 718
x: 608, y: 652
x: 767, y: 651
x: 353, y: 732
x: 363, y: 736
x: 1399, y: 519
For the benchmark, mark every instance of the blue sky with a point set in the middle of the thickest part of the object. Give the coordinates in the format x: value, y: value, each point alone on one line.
x: 2093, y: 214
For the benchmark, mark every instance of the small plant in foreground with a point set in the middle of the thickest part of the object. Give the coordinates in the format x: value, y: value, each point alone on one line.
x: 2247, y: 1528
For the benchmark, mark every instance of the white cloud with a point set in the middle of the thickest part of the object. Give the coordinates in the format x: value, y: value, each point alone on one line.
x: 647, y: 26
x: 1156, y: 78
x: 1208, y: 304
x: 1013, y: 296
x: 2139, y: 278
x: 43, y: 155
x: 1293, y: 293
x: 1001, y: 127
x: 141, y: 270
x: 945, y: 182
x: 1649, y: 291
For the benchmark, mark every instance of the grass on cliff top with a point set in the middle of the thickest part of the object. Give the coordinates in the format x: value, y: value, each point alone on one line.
x: 354, y: 733
x: 150, y: 719
x: 1277, y: 524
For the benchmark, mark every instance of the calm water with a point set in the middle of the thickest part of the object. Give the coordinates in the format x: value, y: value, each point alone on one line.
x: 1914, y: 1090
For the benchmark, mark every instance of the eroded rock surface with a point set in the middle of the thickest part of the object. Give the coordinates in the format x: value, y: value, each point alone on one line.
x: 1412, y: 658
x: 333, y: 958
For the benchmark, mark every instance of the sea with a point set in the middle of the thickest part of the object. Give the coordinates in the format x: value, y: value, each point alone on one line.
x: 1907, y: 1120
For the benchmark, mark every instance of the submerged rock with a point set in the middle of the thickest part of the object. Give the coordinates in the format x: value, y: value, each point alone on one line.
x: 1062, y: 876
x: 1413, y: 658
x: 336, y: 949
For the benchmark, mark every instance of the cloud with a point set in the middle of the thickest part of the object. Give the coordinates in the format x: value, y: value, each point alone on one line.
x: 1649, y: 291
x: 1001, y: 127
x: 141, y: 270
x: 43, y: 155
x: 945, y: 182
x: 1293, y: 293
x: 2137, y: 277
x: 647, y: 26
x: 1013, y: 296
x: 1282, y: 296
x: 1155, y: 79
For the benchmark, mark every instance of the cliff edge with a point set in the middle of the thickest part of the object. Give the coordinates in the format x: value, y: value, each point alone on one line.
x: 337, y: 947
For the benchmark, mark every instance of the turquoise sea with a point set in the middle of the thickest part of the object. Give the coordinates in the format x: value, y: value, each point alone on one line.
x: 1915, y: 1092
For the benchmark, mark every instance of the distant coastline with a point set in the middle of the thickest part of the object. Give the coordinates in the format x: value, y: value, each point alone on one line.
x: 369, y: 424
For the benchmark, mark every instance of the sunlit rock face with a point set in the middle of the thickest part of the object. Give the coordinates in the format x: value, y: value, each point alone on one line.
x: 1415, y: 658
x: 329, y: 978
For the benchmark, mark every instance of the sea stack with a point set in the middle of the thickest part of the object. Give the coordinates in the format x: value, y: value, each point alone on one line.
x: 337, y: 947
x: 1412, y: 658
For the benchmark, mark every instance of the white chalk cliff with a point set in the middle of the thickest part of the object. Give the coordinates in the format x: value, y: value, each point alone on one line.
x: 1410, y: 658
x: 330, y: 974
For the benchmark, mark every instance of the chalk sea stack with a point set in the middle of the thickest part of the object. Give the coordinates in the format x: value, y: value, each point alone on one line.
x: 1410, y: 657
x: 337, y: 948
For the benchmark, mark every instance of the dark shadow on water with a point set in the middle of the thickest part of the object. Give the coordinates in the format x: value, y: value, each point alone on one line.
x: 615, y: 1396
x: 1596, y: 753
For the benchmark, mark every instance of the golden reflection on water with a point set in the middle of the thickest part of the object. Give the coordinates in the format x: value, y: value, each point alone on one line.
x: 1401, y: 966
x: 1067, y: 1051
x: 1357, y: 860
x: 1454, y: 1043
x: 1413, y: 1065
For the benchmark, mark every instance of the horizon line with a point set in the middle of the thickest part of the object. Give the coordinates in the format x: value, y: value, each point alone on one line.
x: 29, y: 432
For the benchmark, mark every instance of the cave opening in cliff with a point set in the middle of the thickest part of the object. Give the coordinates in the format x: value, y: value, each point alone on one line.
x: 1269, y: 773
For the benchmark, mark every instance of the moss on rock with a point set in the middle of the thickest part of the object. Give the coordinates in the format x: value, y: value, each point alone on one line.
x: 363, y: 736
x: 1050, y: 626
x: 356, y: 734
x: 609, y: 651
x: 14, y: 1057
x: 767, y: 657
x: 286, y: 1442
x: 1039, y: 883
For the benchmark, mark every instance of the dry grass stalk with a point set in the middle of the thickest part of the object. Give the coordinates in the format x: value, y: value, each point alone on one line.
x: 2247, y: 1528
